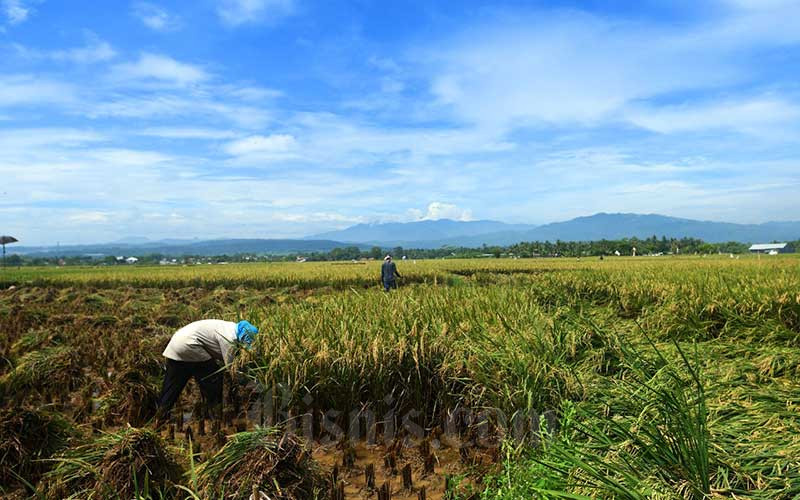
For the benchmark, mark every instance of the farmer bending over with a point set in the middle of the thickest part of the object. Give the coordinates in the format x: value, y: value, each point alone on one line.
x: 388, y: 272
x: 196, y: 350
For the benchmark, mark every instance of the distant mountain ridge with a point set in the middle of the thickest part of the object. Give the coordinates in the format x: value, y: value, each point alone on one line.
x: 434, y: 234
x: 420, y: 230
x: 445, y: 232
x: 626, y: 225
x: 188, y: 247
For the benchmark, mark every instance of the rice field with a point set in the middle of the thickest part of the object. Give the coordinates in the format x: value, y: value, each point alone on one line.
x: 494, y: 378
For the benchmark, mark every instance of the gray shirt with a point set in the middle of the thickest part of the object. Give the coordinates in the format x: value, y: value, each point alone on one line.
x: 389, y: 271
x: 203, y: 340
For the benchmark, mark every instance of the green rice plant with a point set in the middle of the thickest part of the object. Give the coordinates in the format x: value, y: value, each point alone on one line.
x: 538, y: 358
x: 419, y: 350
x: 652, y: 443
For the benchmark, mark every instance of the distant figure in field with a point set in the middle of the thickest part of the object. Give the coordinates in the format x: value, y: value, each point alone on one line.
x: 199, y: 350
x: 388, y: 273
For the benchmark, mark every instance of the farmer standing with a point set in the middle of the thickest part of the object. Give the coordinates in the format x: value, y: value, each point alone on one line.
x: 196, y: 350
x: 388, y: 273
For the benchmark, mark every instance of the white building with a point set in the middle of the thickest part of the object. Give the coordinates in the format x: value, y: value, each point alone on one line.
x: 131, y: 260
x: 770, y: 248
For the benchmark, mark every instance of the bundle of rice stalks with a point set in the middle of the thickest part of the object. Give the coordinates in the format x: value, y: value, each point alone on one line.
x: 19, y: 318
x: 150, y: 348
x: 26, y: 437
x: 35, y: 339
x: 133, y: 399
x: 50, y: 371
x: 132, y: 463
x: 99, y: 321
x: 140, y: 352
x: 267, y: 458
x: 94, y: 302
x: 176, y: 315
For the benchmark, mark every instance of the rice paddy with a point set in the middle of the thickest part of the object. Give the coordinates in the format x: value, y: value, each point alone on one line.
x: 494, y: 378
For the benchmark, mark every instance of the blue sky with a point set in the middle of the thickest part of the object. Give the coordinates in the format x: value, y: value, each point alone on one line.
x: 282, y: 118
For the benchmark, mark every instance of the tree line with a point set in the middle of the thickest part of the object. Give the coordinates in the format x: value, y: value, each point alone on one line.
x: 530, y: 249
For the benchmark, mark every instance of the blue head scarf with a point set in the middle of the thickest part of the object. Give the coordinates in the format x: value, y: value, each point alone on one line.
x: 245, y: 332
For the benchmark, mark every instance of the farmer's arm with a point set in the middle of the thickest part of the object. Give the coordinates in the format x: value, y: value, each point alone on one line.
x: 232, y: 336
x: 394, y: 268
x: 227, y: 344
x: 228, y: 351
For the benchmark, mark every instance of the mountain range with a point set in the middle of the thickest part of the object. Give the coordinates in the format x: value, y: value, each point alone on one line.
x: 423, y: 234
x: 186, y: 247
x: 445, y: 232
x: 426, y: 230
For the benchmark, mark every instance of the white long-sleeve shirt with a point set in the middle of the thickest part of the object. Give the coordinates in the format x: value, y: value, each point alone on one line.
x: 203, y: 340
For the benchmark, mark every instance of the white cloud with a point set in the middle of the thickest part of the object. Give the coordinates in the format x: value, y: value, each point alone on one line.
x: 750, y: 24
x: 254, y: 93
x: 127, y: 157
x: 539, y: 70
x: 570, y: 68
x: 261, y: 145
x: 317, y: 217
x: 155, y: 17
x: 152, y: 106
x: 169, y: 105
x: 438, y: 210
x: 188, y: 133
x: 414, y: 214
x: 16, y: 11
x: 97, y: 51
x: 90, y: 217
x: 761, y: 5
x: 15, y: 140
x: 159, y: 68
x: 236, y: 12
x: 760, y: 116
x: 31, y: 90
x: 336, y: 140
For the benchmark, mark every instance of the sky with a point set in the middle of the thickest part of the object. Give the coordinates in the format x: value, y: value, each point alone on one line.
x: 284, y: 118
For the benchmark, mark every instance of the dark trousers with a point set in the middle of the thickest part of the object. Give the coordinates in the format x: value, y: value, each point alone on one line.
x: 207, y: 374
x: 389, y: 284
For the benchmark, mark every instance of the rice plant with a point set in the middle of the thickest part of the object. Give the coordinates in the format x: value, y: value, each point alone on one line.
x: 266, y: 460
x: 705, y: 404
x: 123, y: 464
x: 27, y: 438
x: 49, y: 371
